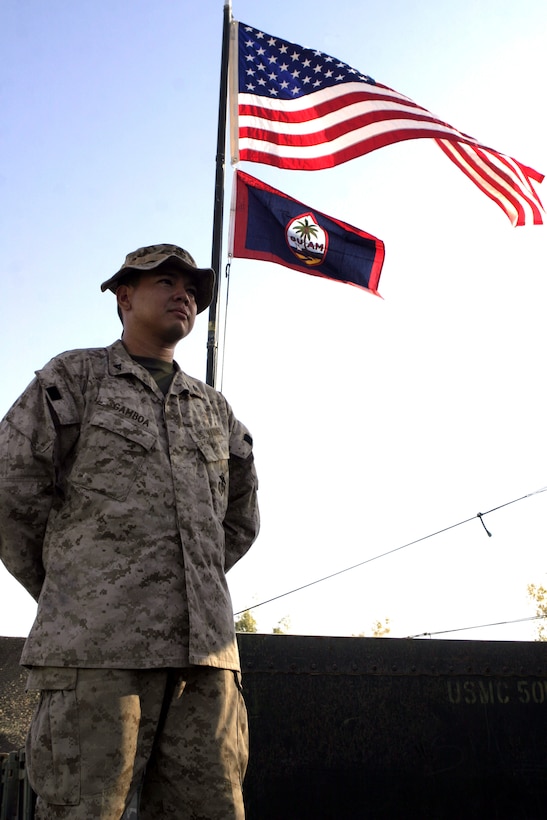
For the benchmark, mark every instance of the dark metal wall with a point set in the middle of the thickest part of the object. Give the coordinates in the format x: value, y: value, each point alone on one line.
x: 378, y: 728
x: 387, y: 728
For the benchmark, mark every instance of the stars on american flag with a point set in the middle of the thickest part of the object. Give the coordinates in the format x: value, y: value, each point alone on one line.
x: 271, y: 67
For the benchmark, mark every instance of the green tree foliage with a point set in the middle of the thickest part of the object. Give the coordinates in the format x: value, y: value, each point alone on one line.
x: 246, y: 622
x: 538, y: 594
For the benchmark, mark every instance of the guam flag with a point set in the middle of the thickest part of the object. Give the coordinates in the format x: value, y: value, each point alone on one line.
x: 267, y: 224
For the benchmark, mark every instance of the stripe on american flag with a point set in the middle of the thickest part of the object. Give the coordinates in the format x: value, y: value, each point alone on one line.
x: 301, y: 109
x: 503, y: 179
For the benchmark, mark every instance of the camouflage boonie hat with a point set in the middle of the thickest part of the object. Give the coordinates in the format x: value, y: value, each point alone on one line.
x: 152, y: 256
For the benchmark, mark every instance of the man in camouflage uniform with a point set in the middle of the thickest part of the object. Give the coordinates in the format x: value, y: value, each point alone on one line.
x: 127, y: 490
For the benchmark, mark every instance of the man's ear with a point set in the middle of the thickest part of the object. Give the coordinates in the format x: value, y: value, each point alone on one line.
x: 123, y: 297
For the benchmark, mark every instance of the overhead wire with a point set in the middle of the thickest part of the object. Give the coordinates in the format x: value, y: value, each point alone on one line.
x: 478, y: 626
x: 479, y: 515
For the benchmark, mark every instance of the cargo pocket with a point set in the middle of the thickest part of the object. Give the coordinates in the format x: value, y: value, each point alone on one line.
x: 53, y: 741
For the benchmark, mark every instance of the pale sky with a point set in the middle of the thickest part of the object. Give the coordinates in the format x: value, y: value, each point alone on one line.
x: 376, y: 421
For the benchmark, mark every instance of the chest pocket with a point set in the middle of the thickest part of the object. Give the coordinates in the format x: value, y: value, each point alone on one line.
x: 112, y: 448
x: 213, y: 449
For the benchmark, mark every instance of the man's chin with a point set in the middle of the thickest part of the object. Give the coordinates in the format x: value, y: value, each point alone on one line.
x: 176, y: 332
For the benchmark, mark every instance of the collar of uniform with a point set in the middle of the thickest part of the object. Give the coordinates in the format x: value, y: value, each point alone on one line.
x: 120, y: 362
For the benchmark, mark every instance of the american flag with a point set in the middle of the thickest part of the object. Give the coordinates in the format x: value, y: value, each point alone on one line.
x: 301, y: 109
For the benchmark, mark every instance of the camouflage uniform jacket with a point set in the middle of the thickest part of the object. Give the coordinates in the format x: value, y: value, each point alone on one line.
x: 121, y: 510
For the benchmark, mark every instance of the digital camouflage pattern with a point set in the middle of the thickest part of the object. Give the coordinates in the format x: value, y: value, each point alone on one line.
x: 94, y: 734
x: 120, y: 512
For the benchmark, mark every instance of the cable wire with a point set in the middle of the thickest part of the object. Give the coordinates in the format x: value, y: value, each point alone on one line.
x: 396, y: 549
x: 479, y: 626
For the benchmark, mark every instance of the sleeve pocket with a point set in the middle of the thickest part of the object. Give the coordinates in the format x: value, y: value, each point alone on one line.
x: 241, y: 442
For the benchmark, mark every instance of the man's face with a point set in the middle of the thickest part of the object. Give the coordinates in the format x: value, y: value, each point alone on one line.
x: 160, y: 306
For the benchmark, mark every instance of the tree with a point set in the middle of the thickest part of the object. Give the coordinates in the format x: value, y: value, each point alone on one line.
x: 379, y: 630
x: 283, y: 626
x: 246, y: 622
x: 539, y: 595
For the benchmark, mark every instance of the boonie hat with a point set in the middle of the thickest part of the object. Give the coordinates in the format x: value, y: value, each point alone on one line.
x: 153, y: 256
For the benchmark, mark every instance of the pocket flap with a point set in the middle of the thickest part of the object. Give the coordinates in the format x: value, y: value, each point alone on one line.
x: 212, y: 444
x: 51, y: 678
x: 128, y: 425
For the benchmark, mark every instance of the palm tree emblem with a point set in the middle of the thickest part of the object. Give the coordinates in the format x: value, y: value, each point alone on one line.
x: 305, y: 229
x: 307, y: 239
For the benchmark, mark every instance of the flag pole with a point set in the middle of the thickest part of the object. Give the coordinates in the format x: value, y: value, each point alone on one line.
x: 216, y: 252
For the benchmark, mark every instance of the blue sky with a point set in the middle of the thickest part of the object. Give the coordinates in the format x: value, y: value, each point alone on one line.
x: 376, y: 422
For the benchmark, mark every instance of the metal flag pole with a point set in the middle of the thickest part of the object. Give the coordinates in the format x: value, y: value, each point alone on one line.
x: 216, y: 254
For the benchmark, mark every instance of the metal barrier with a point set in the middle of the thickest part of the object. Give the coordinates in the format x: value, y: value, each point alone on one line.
x: 388, y: 729
x: 17, y: 799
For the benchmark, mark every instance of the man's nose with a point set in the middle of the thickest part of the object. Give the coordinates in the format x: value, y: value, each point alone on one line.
x: 181, y: 294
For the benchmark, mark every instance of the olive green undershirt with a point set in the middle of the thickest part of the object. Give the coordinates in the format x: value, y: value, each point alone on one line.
x: 162, y: 372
